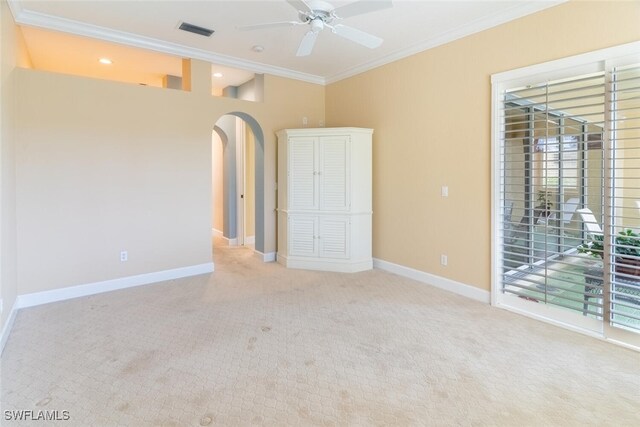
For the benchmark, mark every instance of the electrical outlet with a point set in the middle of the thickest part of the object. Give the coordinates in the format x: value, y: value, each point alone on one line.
x: 124, y: 256
x: 443, y: 260
x: 305, y: 121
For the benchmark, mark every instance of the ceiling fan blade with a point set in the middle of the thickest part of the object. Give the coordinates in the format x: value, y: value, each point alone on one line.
x: 299, y: 5
x: 307, y: 43
x: 358, y: 36
x: 361, y: 7
x: 269, y: 25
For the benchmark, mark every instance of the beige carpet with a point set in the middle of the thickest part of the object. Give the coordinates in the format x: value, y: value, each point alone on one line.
x: 257, y: 344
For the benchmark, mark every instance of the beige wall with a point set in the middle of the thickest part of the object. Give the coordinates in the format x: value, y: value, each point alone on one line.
x: 105, y: 166
x: 13, y: 53
x: 431, y: 116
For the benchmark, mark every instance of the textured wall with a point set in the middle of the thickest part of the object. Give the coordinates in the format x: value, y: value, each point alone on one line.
x: 105, y: 166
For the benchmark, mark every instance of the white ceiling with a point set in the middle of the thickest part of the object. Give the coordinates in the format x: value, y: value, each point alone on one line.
x: 407, y: 28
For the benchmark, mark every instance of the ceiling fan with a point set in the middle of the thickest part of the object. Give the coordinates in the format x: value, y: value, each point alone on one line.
x: 320, y: 15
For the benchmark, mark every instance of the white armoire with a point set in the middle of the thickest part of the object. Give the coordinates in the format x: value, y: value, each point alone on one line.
x: 324, y: 199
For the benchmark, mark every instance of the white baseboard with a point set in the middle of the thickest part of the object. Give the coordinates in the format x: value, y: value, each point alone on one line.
x: 249, y: 240
x: 6, y: 328
x: 335, y: 265
x: 265, y: 257
x: 45, y: 297
x: 229, y: 242
x: 433, y: 280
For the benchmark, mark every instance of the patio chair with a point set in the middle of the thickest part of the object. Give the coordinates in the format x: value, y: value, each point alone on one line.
x: 625, y: 286
x: 508, y: 209
x: 508, y: 225
x: 593, y: 275
x: 567, y: 209
x: 513, y: 230
x: 590, y: 222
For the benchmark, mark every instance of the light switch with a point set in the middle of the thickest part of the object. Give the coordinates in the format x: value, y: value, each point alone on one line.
x: 445, y: 191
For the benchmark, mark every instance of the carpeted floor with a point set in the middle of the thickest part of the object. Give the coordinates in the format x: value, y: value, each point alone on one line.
x: 258, y: 344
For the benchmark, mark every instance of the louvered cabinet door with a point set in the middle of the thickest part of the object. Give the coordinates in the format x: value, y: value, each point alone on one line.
x: 334, y: 173
x: 333, y: 237
x: 324, y: 199
x: 303, y: 235
x: 303, y: 173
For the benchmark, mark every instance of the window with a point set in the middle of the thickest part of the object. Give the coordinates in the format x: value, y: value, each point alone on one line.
x: 566, y: 139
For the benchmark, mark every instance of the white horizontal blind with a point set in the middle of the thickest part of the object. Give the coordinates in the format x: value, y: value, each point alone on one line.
x: 624, y: 200
x: 566, y: 200
x: 552, y: 166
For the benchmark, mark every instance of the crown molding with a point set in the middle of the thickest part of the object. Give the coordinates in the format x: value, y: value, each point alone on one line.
x: 41, y: 20
x: 35, y: 19
x: 15, y: 7
x: 514, y: 12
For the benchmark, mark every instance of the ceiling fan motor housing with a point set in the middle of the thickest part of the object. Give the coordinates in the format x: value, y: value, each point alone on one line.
x: 320, y: 11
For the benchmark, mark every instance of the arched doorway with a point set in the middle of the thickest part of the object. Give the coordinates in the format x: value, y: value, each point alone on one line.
x: 237, y: 210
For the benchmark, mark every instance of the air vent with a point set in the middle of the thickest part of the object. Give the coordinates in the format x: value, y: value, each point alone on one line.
x: 195, y: 29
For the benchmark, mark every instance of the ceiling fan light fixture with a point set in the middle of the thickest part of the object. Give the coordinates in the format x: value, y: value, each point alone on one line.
x: 317, y: 25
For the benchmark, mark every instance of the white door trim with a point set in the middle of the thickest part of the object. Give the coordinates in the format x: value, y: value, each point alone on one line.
x: 240, y: 178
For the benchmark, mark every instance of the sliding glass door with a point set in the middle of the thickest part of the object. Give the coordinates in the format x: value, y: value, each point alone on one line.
x: 567, y: 196
x: 622, y: 302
